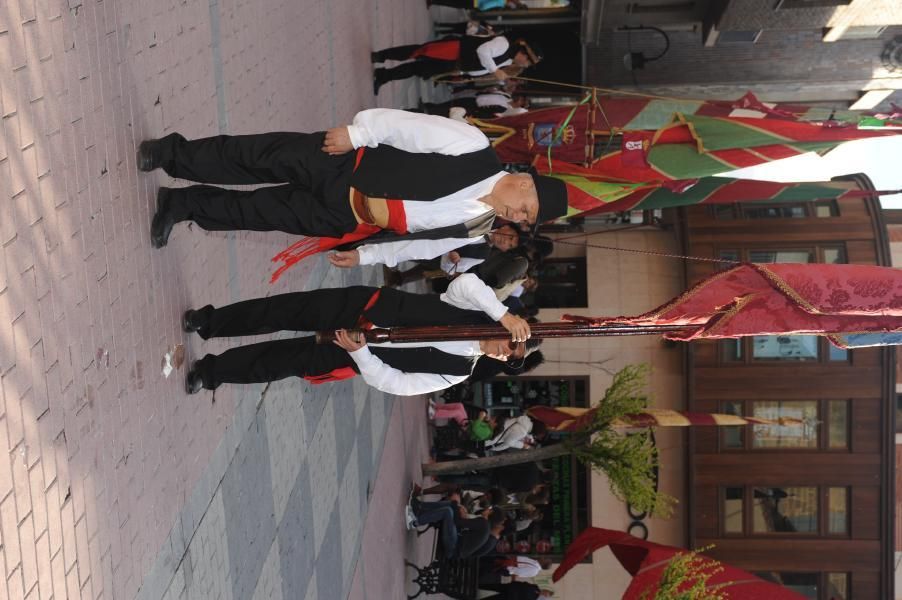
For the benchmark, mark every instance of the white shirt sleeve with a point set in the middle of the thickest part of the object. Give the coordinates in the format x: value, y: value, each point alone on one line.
x: 458, y: 113
x: 393, y: 381
x: 414, y: 132
x: 465, y: 263
x: 392, y: 253
x: 469, y: 292
x: 489, y: 50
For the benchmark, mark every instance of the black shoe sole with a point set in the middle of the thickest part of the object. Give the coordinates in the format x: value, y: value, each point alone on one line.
x: 144, y: 156
x: 187, y: 327
x: 162, y: 223
x: 193, y: 381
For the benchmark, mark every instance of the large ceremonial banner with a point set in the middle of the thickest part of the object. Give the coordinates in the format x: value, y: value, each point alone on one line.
x: 757, y: 299
x: 564, y: 130
x: 647, y: 562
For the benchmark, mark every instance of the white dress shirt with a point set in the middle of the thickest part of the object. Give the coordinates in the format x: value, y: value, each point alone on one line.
x: 487, y: 53
x: 467, y: 292
x: 414, y: 132
x: 526, y: 568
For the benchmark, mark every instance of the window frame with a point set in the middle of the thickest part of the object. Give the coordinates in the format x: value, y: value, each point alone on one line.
x: 822, y: 519
x: 740, y: 210
x: 823, y: 580
x: 747, y: 349
x: 823, y: 429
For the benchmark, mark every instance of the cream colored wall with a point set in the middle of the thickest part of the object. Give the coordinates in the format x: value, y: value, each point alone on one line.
x: 623, y: 283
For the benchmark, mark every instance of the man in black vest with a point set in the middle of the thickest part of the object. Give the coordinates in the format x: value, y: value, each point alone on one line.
x: 425, y: 184
x: 472, y: 55
x: 403, y: 369
x: 460, y: 260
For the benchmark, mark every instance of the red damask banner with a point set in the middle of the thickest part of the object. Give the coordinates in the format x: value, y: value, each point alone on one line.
x: 773, y: 299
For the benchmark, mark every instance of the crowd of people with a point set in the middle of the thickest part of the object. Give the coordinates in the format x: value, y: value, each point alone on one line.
x: 393, y: 186
x: 476, y: 514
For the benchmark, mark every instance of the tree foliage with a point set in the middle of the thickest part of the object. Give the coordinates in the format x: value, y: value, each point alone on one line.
x: 628, y: 459
x: 686, y: 578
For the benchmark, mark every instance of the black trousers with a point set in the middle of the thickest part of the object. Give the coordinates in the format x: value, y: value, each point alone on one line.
x: 422, y: 67
x: 337, y: 308
x: 312, y: 198
x: 278, y: 359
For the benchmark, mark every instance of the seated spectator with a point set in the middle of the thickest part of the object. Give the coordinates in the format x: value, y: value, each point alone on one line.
x: 517, y: 590
x: 482, y: 427
x: 512, y: 568
x: 518, y: 432
x: 462, y: 535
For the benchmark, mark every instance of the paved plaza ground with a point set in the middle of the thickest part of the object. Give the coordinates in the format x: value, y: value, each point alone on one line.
x: 116, y: 484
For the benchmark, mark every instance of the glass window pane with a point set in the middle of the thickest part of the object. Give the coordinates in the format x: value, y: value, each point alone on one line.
x: 803, y: 435
x: 722, y: 211
x: 825, y: 209
x: 733, y: 436
x: 784, y: 510
x: 773, y: 211
x: 838, y: 424
x: 837, y: 354
x: 733, y: 509
x: 834, y: 256
x: 838, y: 586
x: 781, y: 256
x: 837, y: 510
x: 784, y: 347
x: 731, y: 350
x: 805, y: 584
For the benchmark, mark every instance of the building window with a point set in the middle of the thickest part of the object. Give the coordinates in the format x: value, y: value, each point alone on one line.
x: 838, y: 425
x: 806, y: 349
x: 797, y: 436
x: 794, y: 255
x: 733, y: 437
x: 819, y: 586
x: 822, y: 253
x: 785, y: 510
x: 785, y: 347
x: 775, y: 210
x: 789, y: 4
x: 823, y: 426
x: 738, y: 37
x: 562, y: 283
x: 837, y: 511
x: 733, y: 511
x: 863, y: 32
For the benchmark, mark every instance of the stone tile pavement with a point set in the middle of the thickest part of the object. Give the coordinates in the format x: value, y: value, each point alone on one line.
x: 114, y: 483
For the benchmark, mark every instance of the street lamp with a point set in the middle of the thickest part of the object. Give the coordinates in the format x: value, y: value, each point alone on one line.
x: 634, y: 61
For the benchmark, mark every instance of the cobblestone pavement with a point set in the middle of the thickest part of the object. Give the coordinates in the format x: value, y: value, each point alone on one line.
x: 116, y: 484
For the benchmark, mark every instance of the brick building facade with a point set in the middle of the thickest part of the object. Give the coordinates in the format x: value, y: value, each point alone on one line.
x: 785, y: 50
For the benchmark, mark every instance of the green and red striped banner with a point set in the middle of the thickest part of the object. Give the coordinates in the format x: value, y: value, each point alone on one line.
x: 588, y: 193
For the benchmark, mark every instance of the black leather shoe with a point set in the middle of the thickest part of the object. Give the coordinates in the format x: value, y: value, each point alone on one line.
x: 193, y: 380
x: 191, y: 321
x: 377, y: 81
x: 148, y: 157
x: 161, y: 225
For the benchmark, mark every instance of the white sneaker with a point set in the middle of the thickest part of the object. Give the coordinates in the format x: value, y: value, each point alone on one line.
x: 410, y: 518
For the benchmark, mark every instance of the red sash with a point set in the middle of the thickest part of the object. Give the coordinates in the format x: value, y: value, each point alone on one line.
x: 308, y: 246
x: 439, y: 50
